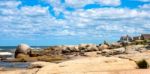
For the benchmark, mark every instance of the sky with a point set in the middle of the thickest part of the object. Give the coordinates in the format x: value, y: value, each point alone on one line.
x: 60, y: 22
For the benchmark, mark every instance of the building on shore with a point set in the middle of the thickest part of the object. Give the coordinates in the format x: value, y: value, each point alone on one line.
x: 137, y: 38
x: 126, y: 38
x: 145, y: 37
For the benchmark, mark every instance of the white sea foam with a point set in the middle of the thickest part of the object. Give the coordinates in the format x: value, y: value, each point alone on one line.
x: 37, y: 48
x: 5, y: 53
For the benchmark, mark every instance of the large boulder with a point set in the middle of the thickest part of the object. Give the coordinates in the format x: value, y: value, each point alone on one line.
x: 23, y: 49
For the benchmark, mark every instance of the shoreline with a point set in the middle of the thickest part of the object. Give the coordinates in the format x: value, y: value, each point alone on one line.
x: 84, y: 58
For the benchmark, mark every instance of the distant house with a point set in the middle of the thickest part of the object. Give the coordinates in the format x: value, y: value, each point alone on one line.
x: 126, y: 38
x: 137, y: 38
x: 145, y: 36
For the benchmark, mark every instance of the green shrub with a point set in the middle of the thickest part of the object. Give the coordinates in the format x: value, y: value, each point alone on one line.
x: 143, y: 64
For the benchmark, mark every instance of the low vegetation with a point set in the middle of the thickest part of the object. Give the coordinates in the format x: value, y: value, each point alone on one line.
x: 143, y: 64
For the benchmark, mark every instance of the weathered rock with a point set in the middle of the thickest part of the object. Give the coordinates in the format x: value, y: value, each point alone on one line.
x: 22, y: 49
x: 70, y: 49
x: 103, y: 46
x: 73, y: 48
x: 90, y: 64
x: 118, y: 51
x: 53, y: 50
x: 107, y: 52
x: 134, y: 49
x: 36, y: 53
x: 148, y: 47
x: 38, y: 64
x: 90, y: 54
x: 88, y: 47
x: 20, y: 71
x: 115, y: 45
x: 135, y: 56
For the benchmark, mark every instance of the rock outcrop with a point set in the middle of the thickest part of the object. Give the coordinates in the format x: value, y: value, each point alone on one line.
x: 88, y: 47
x: 86, y: 65
x: 103, y: 46
x: 22, y: 49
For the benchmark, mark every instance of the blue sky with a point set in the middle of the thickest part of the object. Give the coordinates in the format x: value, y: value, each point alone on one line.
x: 58, y: 22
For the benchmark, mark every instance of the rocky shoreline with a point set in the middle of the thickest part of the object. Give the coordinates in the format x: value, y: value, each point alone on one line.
x: 80, y: 59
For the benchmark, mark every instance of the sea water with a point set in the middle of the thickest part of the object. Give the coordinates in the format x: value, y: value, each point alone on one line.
x: 12, y: 49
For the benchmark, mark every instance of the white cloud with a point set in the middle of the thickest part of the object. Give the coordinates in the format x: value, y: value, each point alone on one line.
x: 147, y: 26
x: 34, y: 10
x: 36, y: 21
x: 66, y: 32
x: 82, y: 3
x: 145, y: 6
x: 110, y: 2
x: 9, y: 3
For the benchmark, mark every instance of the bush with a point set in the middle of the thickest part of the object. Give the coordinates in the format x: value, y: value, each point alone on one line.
x: 142, y: 64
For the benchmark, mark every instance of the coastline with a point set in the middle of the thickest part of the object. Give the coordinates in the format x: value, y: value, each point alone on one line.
x: 80, y: 59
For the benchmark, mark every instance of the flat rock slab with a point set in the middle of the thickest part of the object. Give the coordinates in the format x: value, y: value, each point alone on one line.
x: 88, y: 65
x: 19, y: 71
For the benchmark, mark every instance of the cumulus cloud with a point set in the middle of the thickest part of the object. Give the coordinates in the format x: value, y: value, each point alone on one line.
x: 145, y: 6
x: 34, y: 10
x: 82, y: 3
x: 9, y: 3
x: 36, y: 21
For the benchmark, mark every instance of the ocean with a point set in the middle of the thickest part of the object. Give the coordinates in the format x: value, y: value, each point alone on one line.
x: 12, y: 49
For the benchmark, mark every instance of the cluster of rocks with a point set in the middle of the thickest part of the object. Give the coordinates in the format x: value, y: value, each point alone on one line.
x: 24, y: 49
x: 77, y: 50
